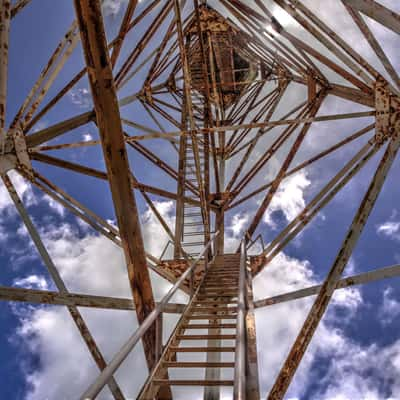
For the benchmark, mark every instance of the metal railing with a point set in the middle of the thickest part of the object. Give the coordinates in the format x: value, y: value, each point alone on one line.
x: 239, y: 388
x: 95, y: 388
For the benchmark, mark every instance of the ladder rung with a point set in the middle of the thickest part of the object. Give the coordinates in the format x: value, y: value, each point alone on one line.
x: 216, y: 307
x: 212, y: 316
x: 206, y: 337
x: 194, y: 223
x: 214, y: 311
x: 214, y: 302
x: 218, y: 271
x: 223, y: 349
x: 201, y: 297
x: 166, y: 382
x: 186, y: 364
x: 209, y: 326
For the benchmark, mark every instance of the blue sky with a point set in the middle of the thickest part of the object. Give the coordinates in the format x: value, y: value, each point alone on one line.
x: 356, y: 351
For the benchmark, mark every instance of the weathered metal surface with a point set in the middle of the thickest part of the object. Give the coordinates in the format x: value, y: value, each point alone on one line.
x: 317, y: 101
x: 36, y: 296
x: 357, y: 18
x: 365, y: 277
x: 198, y: 66
x: 378, y: 12
x: 325, y: 294
x: 18, y: 6
x: 234, y: 67
x: 74, y: 312
x: 112, y: 137
x: 5, y: 16
x: 149, y: 322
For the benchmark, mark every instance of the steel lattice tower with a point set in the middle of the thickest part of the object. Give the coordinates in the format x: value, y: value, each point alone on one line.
x: 213, y: 80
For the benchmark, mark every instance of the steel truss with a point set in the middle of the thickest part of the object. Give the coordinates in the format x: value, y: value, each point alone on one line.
x: 216, y: 74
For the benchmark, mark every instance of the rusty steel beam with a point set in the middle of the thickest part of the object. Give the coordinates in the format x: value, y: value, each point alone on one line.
x: 378, y: 12
x: 55, y: 275
x: 123, y: 30
x: 285, y: 165
x: 69, y: 299
x: 321, y: 303
x: 47, y: 77
x: 180, y: 191
x: 103, y: 175
x: 5, y: 16
x: 306, y: 163
x: 369, y: 36
x: 189, y: 111
x: 147, y: 36
x: 330, y: 38
x: 269, y: 153
x: 316, y: 204
x: 58, y: 129
x: 271, y: 107
x: 365, y: 277
x: 18, y: 6
x: 110, y: 128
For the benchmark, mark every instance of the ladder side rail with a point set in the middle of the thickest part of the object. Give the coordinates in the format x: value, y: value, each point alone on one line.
x: 239, y: 390
x: 95, y: 388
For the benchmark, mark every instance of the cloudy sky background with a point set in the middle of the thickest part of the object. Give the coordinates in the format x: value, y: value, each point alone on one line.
x: 355, y: 353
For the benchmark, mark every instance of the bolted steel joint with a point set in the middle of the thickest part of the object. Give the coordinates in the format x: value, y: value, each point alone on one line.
x: 387, y: 106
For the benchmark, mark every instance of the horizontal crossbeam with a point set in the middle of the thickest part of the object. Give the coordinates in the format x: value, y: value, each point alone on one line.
x: 365, y: 277
x: 74, y: 299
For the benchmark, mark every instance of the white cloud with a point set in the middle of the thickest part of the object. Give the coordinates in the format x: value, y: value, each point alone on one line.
x: 355, y: 373
x: 80, y: 97
x: 278, y: 325
x: 238, y: 224
x: 390, y: 308
x: 112, y: 7
x: 23, y: 189
x: 154, y: 235
x: 289, y: 199
x: 39, y: 126
x: 94, y: 265
x: 390, y: 229
x: 32, y: 282
x: 87, y: 137
x: 54, y: 205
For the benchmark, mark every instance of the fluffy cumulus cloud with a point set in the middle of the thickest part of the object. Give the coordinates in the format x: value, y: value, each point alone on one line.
x: 350, y: 373
x: 80, y: 97
x: 390, y: 308
x: 23, y: 189
x: 113, y: 7
x: 289, y: 198
x: 357, y: 372
x: 93, y: 265
x: 32, y: 282
x: 390, y: 228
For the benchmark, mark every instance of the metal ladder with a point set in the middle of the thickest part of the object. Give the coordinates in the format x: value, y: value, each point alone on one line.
x: 218, y: 303
x: 193, y: 234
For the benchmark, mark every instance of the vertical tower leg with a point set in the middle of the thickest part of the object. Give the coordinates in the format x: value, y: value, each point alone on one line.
x: 252, y: 382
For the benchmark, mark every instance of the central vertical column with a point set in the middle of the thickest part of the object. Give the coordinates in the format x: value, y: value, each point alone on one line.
x: 181, y: 185
x: 213, y: 392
